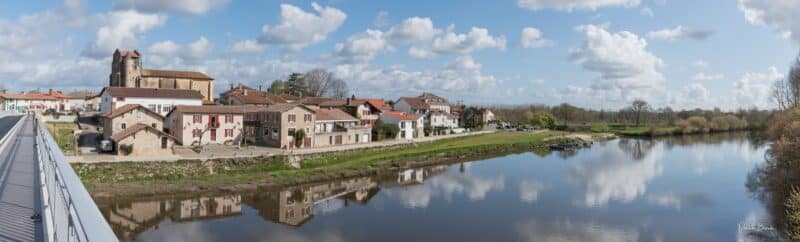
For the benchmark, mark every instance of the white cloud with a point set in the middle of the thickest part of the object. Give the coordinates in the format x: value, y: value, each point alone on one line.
x: 701, y: 76
x: 536, y: 81
x: 195, y: 7
x: 691, y: 96
x: 646, y: 11
x: 246, y: 47
x: 382, y: 19
x: 753, y: 88
x: 613, y: 175
x: 465, y: 63
x: 679, y: 32
x: 448, y: 185
x: 532, y: 38
x: 570, y: 5
x: 164, y: 48
x: 122, y: 29
x: 420, y: 53
x: 298, y: 29
x: 413, y: 29
x: 700, y: 63
x: 678, y: 201
x: 622, y: 59
x: 529, y: 190
x: 565, y: 230
x: 778, y: 14
x: 363, y: 47
x: 476, y: 39
x: 197, y: 51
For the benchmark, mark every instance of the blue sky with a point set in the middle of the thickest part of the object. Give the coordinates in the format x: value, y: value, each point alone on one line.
x: 593, y: 53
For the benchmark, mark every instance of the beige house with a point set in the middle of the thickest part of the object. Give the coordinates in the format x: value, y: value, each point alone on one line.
x: 127, y: 71
x: 203, y: 125
x: 336, y: 127
x: 278, y: 125
x: 126, y: 116
x: 141, y: 139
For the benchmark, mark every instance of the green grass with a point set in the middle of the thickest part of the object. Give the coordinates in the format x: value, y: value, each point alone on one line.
x: 62, y: 133
x: 143, y: 176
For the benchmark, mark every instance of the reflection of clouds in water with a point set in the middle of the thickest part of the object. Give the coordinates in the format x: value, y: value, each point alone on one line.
x: 447, y: 185
x: 529, y: 190
x: 678, y: 201
x: 612, y: 175
x: 533, y: 230
x: 704, y: 155
x: 196, y: 232
x: 329, y: 206
x: 756, y: 226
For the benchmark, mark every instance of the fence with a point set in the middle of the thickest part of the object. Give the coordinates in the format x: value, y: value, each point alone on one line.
x: 68, y: 212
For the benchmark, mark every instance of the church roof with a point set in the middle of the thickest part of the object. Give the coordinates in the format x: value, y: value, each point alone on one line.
x: 175, y: 74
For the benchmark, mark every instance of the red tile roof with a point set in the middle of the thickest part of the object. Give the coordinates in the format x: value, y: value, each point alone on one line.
x: 153, y: 93
x: 254, y: 97
x: 402, y: 115
x: 415, y: 102
x: 215, y: 109
x: 127, y: 108
x: 175, y: 74
x: 333, y: 115
x: 378, y: 103
x: 136, y: 128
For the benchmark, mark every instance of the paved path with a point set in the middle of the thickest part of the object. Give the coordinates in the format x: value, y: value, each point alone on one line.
x: 20, y: 195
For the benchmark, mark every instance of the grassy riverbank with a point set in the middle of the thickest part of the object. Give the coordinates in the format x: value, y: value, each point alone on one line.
x: 150, y: 178
x: 656, y: 130
x: 62, y: 133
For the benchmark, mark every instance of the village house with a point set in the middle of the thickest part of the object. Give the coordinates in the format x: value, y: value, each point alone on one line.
x: 364, y: 111
x: 487, y: 116
x: 244, y: 95
x: 336, y: 127
x: 127, y: 71
x: 411, y: 125
x: 278, y: 125
x: 80, y: 101
x: 33, y: 101
x: 160, y: 101
x: 136, y: 130
x: 201, y: 125
x: 441, y: 120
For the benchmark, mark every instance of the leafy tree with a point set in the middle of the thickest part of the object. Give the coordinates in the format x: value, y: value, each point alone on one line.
x: 565, y: 112
x: 278, y: 87
x: 473, y: 118
x: 296, y: 85
x: 543, y: 119
x: 299, y: 135
x: 381, y: 131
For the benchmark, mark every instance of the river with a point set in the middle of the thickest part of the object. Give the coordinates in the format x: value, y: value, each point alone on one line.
x: 690, y: 188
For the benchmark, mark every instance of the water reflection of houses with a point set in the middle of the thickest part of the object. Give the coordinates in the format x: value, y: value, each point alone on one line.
x: 130, y: 219
x: 410, y: 177
x: 294, y: 206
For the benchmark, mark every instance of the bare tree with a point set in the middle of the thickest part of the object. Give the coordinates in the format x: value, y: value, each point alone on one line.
x: 639, y: 107
x: 321, y: 83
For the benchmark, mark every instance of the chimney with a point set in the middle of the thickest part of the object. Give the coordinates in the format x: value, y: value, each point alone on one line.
x: 245, y: 92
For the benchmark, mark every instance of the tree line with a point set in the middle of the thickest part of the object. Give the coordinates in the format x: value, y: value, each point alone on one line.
x: 314, y: 83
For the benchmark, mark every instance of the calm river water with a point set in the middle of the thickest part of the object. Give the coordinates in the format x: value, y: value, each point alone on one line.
x: 674, y: 189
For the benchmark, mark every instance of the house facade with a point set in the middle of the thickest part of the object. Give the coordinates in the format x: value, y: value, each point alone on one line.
x: 142, y: 139
x: 411, y: 125
x: 80, y: 101
x: 126, y: 116
x: 160, y: 101
x: 278, y: 125
x: 201, y: 125
x: 439, y: 119
x: 335, y: 127
x: 33, y: 101
x: 127, y: 71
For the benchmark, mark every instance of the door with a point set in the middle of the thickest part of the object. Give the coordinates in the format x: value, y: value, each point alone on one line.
x: 307, y: 142
x: 338, y: 139
x: 213, y: 134
x: 163, y: 142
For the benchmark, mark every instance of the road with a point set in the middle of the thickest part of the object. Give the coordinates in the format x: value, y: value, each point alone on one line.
x: 20, y: 195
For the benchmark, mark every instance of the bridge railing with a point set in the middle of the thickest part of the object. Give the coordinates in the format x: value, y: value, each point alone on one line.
x: 68, y: 211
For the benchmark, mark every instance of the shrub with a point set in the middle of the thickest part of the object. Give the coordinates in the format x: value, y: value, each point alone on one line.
x: 698, y: 123
x: 298, y: 137
x: 126, y: 149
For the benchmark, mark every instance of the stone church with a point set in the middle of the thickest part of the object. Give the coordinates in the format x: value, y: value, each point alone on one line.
x: 127, y: 71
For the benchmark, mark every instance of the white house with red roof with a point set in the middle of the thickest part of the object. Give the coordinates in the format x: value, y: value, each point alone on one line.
x: 411, y: 125
x: 33, y: 101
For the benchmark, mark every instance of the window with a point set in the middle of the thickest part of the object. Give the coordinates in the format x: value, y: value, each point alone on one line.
x: 307, y: 117
x: 197, y: 118
x: 154, y: 125
x: 122, y: 126
x: 166, y: 108
x: 152, y: 107
x: 138, y: 114
x: 229, y: 118
x: 330, y: 140
x: 228, y: 133
x: 291, y: 132
x: 194, y: 133
x: 292, y: 118
x: 402, y: 125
